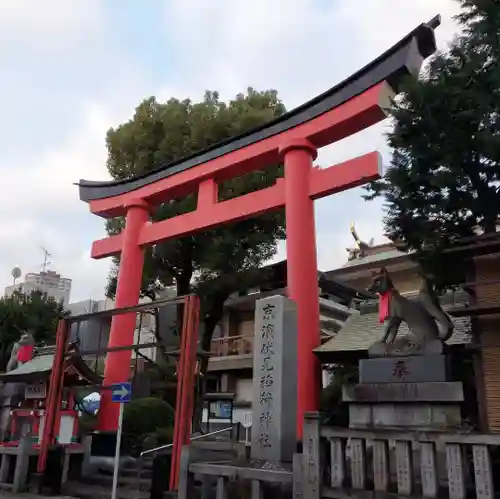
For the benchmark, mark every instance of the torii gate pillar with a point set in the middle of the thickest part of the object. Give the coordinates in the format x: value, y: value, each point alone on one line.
x: 128, y: 289
x: 302, y: 269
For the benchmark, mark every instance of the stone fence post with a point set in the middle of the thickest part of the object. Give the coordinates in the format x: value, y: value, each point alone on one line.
x: 22, y: 462
x: 86, y: 468
x: 186, y: 484
x: 298, y: 482
x: 311, y: 464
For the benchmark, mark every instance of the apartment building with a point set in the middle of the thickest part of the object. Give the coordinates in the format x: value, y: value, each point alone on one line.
x: 93, y: 333
x: 49, y: 282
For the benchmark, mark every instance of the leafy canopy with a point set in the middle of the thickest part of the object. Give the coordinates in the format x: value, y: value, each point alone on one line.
x: 443, y: 180
x: 222, y: 260
x: 34, y: 312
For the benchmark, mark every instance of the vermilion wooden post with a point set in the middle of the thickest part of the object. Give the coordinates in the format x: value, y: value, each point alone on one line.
x: 185, y: 386
x: 302, y: 270
x: 53, y: 395
x: 192, y: 347
x: 117, y: 368
x: 180, y: 397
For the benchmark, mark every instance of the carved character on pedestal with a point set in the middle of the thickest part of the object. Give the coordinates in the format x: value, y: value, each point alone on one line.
x: 428, y: 324
x: 22, y: 351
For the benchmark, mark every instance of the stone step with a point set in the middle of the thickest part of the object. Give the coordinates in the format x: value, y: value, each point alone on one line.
x: 106, y: 464
x: 146, y: 463
x: 10, y: 495
x: 132, y: 472
x: 130, y: 482
x: 126, y: 471
x: 87, y: 491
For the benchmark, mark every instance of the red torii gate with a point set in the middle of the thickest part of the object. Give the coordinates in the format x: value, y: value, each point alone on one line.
x: 294, y: 138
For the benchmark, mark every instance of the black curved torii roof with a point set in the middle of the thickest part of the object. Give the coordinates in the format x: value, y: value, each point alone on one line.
x: 402, y: 59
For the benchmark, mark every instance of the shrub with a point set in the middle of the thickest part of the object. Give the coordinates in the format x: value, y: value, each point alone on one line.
x: 334, y: 411
x: 143, y: 418
x: 86, y: 424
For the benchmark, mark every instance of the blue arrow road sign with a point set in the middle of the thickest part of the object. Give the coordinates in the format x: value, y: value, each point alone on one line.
x: 121, y: 392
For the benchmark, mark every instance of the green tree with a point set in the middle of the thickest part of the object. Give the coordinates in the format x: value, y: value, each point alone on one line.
x: 216, y: 263
x: 334, y: 411
x: 34, y: 312
x: 143, y: 418
x: 443, y: 180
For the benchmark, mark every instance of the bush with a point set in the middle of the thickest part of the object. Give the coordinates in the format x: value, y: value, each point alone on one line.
x: 144, y: 418
x: 86, y: 424
x: 334, y: 411
x: 164, y: 436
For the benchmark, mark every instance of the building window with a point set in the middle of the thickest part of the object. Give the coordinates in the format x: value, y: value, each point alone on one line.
x: 213, y: 384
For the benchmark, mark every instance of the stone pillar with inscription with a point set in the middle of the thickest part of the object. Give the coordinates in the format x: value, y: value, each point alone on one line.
x: 274, y: 405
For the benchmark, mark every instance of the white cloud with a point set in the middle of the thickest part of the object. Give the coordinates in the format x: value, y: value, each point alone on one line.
x: 49, y: 24
x: 300, y: 47
x: 49, y: 180
x: 46, y: 204
x: 39, y: 203
x: 40, y: 207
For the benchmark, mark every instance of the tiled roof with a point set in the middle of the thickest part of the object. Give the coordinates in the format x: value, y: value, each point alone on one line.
x: 40, y: 364
x: 361, y: 331
x: 376, y: 257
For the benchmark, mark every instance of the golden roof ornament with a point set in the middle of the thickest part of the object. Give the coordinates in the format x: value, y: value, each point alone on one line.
x: 359, y: 250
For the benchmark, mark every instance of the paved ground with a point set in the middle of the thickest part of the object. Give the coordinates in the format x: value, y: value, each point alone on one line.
x: 9, y: 495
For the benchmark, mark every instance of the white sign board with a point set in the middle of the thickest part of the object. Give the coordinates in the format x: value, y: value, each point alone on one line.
x: 38, y: 391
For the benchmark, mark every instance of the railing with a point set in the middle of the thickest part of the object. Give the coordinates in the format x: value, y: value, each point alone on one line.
x: 236, y: 481
x: 199, y: 437
x: 339, y: 462
x: 232, y: 345
x: 169, y: 446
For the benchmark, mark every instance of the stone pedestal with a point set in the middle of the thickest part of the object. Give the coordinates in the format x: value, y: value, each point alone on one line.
x: 404, y: 393
x: 416, y: 369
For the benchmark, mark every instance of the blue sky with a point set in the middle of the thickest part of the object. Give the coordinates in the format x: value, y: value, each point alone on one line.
x: 71, y: 69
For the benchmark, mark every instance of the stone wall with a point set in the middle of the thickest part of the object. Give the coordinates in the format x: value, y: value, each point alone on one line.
x: 488, y: 327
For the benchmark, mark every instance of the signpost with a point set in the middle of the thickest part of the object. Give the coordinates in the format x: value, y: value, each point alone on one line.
x: 247, y: 424
x: 120, y: 394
